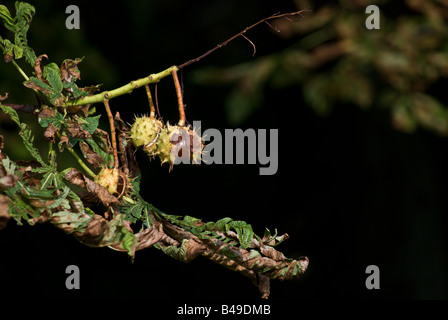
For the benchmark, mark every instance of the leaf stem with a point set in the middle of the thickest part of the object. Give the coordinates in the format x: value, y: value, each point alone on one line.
x: 112, y: 132
x: 180, y: 100
x: 81, y: 163
x: 20, y: 70
x: 151, y: 102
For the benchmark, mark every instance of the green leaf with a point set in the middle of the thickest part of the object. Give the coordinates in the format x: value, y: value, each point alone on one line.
x: 25, y: 133
x: 108, y: 158
x: 24, y: 16
x: 11, y: 49
x: 53, y: 75
x: 244, y: 231
x: 58, y: 121
x: 90, y: 124
x: 35, y: 83
x: 8, y: 21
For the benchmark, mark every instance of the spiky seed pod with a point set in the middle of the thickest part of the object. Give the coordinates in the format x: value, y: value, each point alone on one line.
x: 177, y: 140
x: 166, y: 142
x: 145, y: 132
x: 108, y: 178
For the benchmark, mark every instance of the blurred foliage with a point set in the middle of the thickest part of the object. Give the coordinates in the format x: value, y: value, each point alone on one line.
x: 336, y: 59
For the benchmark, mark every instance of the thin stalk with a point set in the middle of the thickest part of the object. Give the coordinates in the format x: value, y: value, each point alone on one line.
x: 79, y: 160
x: 151, y: 102
x: 112, y: 132
x: 180, y: 100
x: 81, y: 163
x: 21, y: 71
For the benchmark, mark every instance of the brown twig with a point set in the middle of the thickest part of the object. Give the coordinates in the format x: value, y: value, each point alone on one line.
x: 157, y: 102
x: 26, y: 108
x: 112, y: 132
x: 151, y: 103
x: 180, y: 100
x: 253, y: 45
x: 275, y: 16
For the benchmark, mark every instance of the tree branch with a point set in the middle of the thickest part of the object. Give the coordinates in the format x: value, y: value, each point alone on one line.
x: 128, y: 88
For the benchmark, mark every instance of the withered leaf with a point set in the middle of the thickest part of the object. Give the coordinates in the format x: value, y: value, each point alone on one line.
x: 3, y: 98
x: 272, y: 253
x: 38, y: 67
x: 8, y: 181
x: 8, y: 57
x: 91, y: 89
x: 44, y: 217
x: 4, y: 215
x: 69, y: 69
x: 75, y: 129
x: 50, y: 133
x: 46, y: 112
x: 264, y: 285
x: 37, y: 84
x: 37, y: 203
x: 91, y: 156
x: 75, y: 109
x: 126, y: 148
x: 103, y: 139
x: 96, y: 227
x: 63, y: 143
x: 78, y: 178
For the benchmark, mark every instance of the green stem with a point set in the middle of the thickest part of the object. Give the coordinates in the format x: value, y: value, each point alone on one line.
x: 81, y: 163
x: 20, y: 70
x: 50, y: 150
x: 128, y: 88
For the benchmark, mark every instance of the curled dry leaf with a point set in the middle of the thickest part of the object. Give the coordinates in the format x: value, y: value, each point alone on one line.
x: 126, y: 149
x: 50, y: 133
x: 79, y: 179
x: 8, y: 181
x: 91, y: 156
x: 38, y: 67
x: 69, y: 69
x: 46, y: 112
x: 3, y: 98
x: 31, y: 85
x: 4, y: 215
x: 75, y: 130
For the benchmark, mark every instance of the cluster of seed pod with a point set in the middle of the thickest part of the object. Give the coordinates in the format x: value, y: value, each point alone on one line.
x: 171, y: 143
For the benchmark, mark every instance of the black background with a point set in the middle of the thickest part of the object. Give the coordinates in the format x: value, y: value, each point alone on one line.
x: 350, y: 191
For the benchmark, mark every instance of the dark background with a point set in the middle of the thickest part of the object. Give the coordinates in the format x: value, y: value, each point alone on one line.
x: 350, y: 190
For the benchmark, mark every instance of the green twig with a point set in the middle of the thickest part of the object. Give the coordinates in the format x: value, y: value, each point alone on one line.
x: 128, y: 88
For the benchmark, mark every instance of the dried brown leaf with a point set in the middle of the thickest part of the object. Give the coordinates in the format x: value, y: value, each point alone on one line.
x: 8, y: 181
x: 31, y: 85
x: 96, y: 227
x: 76, y: 177
x: 8, y: 57
x: 63, y: 143
x: 91, y: 89
x: 3, y: 98
x: 272, y: 253
x: 4, y: 215
x: 75, y: 129
x: 44, y: 217
x: 104, y: 141
x: 46, y: 112
x: 50, y: 133
x: 91, y: 156
x: 69, y: 69
x: 38, y: 67
x: 126, y: 149
x: 264, y: 285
